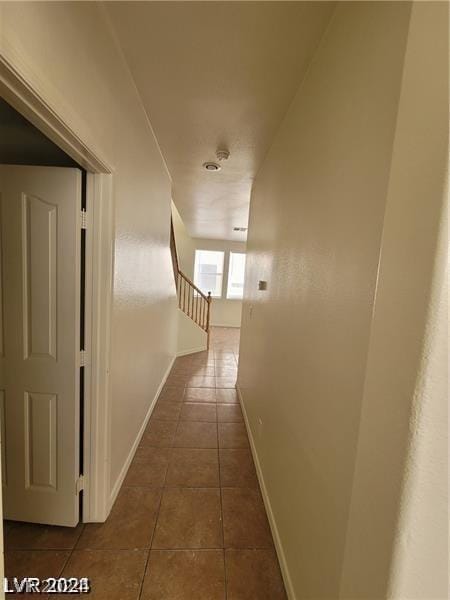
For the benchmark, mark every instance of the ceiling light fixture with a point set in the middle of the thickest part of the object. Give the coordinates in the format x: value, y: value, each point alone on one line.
x: 211, y: 166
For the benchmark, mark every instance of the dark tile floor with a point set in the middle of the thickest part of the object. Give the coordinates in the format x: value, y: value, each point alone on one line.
x: 189, y: 522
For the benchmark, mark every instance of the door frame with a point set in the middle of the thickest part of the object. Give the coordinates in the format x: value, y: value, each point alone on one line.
x: 26, y: 99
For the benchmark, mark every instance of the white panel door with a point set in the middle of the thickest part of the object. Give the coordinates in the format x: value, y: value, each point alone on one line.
x: 40, y: 343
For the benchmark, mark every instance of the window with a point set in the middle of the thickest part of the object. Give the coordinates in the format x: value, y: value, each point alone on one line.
x: 208, y: 271
x: 236, y: 274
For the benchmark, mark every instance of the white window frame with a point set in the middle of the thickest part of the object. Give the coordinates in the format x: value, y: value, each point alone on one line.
x: 224, y: 262
x: 227, y: 297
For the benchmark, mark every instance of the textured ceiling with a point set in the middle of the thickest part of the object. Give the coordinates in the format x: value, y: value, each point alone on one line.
x: 217, y: 74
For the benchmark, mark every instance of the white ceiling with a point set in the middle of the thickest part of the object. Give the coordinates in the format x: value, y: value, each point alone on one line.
x: 217, y: 74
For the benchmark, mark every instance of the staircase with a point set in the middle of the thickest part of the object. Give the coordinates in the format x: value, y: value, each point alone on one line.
x: 191, y: 300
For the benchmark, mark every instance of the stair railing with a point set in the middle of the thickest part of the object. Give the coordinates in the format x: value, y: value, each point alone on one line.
x: 191, y: 300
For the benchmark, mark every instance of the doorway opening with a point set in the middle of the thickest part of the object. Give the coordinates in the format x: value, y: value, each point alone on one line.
x: 42, y: 379
x: 51, y: 445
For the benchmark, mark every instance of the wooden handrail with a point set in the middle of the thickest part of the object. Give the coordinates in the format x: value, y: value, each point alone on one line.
x: 191, y: 300
x: 192, y: 284
x: 173, y: 251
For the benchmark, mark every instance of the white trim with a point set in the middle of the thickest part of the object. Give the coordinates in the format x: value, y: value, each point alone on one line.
x: 99, y: 293
x: 273, y: 526
x: 224, y: 253
x: 224, y: 325
x: 192, y: 350
x: 16, y: 90
x: 118, y: 484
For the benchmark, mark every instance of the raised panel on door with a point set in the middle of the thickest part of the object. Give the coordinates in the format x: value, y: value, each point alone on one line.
x: 40, y: 441
x: 39, y: 252
x: 39, y: 373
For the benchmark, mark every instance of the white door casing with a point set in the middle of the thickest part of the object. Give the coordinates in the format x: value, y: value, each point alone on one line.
x: 40, y: 342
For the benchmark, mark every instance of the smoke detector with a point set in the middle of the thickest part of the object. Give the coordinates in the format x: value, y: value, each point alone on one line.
x: 211, y: 166
x: 223, y: 154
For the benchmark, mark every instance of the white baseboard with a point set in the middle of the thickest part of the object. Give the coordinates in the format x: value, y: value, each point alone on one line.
x: 192, y: 350
x: 227, y: 325
x: 116, y: 488
x: 273, y: 526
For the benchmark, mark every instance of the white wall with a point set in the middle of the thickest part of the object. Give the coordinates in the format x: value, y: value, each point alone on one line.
x: 190, y: 337
x: 224, y: 313
x: 66, y: 51
x: 316, y: 222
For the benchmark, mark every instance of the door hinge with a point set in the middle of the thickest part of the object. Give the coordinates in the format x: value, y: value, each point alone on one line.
x: 79, y: 484
x: 83, y: 358
x: 83, y: 219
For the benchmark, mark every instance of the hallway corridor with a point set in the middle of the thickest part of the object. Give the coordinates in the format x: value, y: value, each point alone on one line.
x: 189, y: 522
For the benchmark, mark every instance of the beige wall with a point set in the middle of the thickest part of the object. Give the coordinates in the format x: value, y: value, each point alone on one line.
x: 224, y: 313
x: 185, y: 244
x: 316, y: 221
x: 398, y: 528
x: 66, y: 51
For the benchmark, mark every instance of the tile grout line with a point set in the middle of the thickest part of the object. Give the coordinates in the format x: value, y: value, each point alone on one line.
x: 157, y: 514
x: 221, y: 507
x: 69, y: 550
